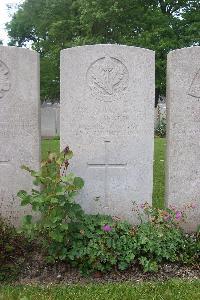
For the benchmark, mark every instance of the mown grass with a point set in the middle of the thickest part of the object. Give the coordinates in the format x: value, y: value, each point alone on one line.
x: 169, y: 290
x: 51, y: 145
x: 159, y: 172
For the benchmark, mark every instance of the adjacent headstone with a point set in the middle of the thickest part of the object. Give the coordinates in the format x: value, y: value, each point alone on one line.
x: 107, y: 119
x: 19, y: 126
x: 183, y: 132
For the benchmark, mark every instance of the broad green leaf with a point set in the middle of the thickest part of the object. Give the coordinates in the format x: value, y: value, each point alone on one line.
x: 69, y: 178
x: 78, y: 182
x: 69, y: 155
x: 27, y: 219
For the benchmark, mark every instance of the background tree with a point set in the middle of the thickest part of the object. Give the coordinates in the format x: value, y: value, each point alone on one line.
x: 52, y: 25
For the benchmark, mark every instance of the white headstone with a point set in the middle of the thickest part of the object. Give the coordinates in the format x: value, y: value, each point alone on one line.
x: 183, y: 132
x: 19, y: 126
x: 107, y: 119
x: 48, y: 122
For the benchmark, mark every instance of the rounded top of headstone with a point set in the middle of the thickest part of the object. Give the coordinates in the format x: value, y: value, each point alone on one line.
x: 95, y: 46
x: 17, y: 49
x: 183, y: 50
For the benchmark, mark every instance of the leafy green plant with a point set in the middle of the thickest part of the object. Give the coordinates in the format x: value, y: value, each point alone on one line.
x: 97, y: 242
x: 54, y: 202
x: 160, y: 238
x: 102, y: 243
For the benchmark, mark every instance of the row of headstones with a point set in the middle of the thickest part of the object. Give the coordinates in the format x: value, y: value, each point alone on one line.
x: 107, y: 118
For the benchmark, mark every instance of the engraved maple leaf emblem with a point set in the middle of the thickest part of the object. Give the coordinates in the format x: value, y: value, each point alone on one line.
x: 4, y: 80
x: 107, y: 75
x: 194, y: 90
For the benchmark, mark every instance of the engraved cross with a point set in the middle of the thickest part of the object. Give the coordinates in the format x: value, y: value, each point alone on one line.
x: 108, y: 68
x: 4, y: 161
x: 106, y: 165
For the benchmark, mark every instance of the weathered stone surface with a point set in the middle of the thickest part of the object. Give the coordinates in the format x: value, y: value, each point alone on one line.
x: 19, y: 126
x: 183, y: 132
x: 107, y: 119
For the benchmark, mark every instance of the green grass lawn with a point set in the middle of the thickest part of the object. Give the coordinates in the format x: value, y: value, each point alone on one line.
x: 159, y: 172
x: 52, y: 145
x: 159, y: 153
x: 169, y: 290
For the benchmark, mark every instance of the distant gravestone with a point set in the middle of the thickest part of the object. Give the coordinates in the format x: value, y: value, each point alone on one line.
x: 58, y: 120
x: 48, y: 122
x: 107, y: 119
x: 50, y: 119
x: 183, y: 132
x: 19, y: 126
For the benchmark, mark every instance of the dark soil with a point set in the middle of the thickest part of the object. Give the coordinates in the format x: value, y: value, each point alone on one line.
x: 36, y: 271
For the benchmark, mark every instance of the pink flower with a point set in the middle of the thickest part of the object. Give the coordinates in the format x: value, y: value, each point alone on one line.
x: 178, y: 215
x: 193, y: 205
x: 167, y: 218
x: 172, y: 207
x: 107, y: 228
x: 144, y: 205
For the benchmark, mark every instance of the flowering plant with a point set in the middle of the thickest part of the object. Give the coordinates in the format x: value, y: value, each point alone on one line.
x: 101, y: 244
x: 160, y: 238
x: 168, y: 215
x: 107, y: 228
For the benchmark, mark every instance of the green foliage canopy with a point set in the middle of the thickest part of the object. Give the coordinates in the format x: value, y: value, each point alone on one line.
x: 52, y: 25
